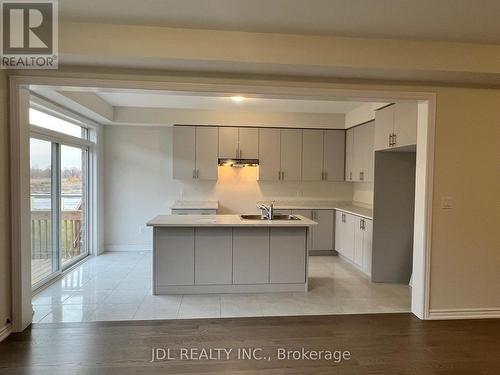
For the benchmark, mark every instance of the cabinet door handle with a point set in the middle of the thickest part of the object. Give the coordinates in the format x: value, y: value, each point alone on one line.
x: 279, y: 175
x: 197, y: 173
x: 394, y: 139
x: 326, y: 175
x: 350, y: 176
x: 194, y: 173
x: 283, y: 175
x: 360, y: 223
x: 362, y: 176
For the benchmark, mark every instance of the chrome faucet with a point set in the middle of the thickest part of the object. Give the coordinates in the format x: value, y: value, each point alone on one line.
x: 267, y: 211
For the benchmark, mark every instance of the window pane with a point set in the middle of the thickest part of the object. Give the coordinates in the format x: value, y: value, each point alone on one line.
x: 73, y: 231
x: 43, y: 253
x: 47, y: 121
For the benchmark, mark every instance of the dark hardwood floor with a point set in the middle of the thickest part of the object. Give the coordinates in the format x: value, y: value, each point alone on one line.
x: 378, y: 344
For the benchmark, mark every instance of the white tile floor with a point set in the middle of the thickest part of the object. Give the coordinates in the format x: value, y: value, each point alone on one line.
x: 117, y: 286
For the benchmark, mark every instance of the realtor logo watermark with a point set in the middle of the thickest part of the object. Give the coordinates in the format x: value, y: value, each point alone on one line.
x: 29, y: 34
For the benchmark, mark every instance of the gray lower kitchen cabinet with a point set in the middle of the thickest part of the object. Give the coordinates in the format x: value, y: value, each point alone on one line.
x: 308, y: 214
x: 358, y: 242
x: 175, y: 256
x: 353, y: 239
x: 367, y: 246
x: 323, y: 234
x: 287, y: 260
x: 344, y: 235
x: 250, y: 255
x: 213, y: 256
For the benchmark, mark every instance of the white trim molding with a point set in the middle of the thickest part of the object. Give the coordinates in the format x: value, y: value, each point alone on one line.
x: 5, y: 331
x: 477, y: 313
x: 117, y: 248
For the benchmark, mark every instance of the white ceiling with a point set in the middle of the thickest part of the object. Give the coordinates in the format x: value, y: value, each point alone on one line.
x: 153, y: 100
x: 454, y: 20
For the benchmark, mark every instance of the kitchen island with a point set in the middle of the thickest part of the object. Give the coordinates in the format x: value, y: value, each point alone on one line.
x: 229, y: 254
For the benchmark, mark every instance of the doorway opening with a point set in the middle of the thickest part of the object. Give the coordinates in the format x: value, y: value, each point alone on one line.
x: 422, y: 189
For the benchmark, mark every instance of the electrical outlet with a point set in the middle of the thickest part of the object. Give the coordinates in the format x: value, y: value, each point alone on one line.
x: 446, y: 203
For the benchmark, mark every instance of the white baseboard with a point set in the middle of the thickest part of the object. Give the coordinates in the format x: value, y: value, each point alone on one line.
x: 5, y: 331
x: 484, y: 313
x: 145, y: 247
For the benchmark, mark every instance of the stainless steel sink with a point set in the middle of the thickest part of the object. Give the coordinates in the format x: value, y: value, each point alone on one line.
x: 275, y: 217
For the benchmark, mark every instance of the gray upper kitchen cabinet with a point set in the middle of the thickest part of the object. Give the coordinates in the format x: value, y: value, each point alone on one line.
x: 384, y: 128
x: 269, y: 154
x: 334, y: 155
x: 322, y: 234
x: 238, y: 143
x: 250, y: 255
x: 228, y: 142
x: 291, y: 154
x: 176, y: 257
x: 359, y: 159
x: 396, y: 126
x: 405, y: 124
x: 195, y: 152
x: 312, y: 155
x: 349, y: 154
x: 184, y: 152
x: 363, y: 154
x: 213, y: 256
x: 287, y: 259
x: 248, y: 143
x: 206, y: 153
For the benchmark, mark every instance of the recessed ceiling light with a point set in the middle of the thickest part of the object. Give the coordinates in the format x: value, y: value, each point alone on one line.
x: 237, y: 98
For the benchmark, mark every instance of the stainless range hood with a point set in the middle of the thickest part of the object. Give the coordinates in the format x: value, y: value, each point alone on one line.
x: 226, y: 162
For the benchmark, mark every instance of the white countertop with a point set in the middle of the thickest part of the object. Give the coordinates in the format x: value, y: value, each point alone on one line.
x: 224, y: 221
x: 348, y: 207
x: 195, y: 205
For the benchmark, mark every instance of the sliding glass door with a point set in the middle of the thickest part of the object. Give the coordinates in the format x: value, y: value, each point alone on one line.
x: 59, y: 207
x: 73, y: 221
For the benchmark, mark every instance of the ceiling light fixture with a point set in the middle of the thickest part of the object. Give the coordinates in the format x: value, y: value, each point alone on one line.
x: 237, y: 98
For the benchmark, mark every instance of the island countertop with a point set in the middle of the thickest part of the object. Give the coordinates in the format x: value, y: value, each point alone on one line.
x: 225, y: 221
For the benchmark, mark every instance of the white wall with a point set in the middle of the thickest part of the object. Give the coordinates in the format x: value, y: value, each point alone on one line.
x: 5, y: 305
x: 138, y: 185
x: 362, y: 192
